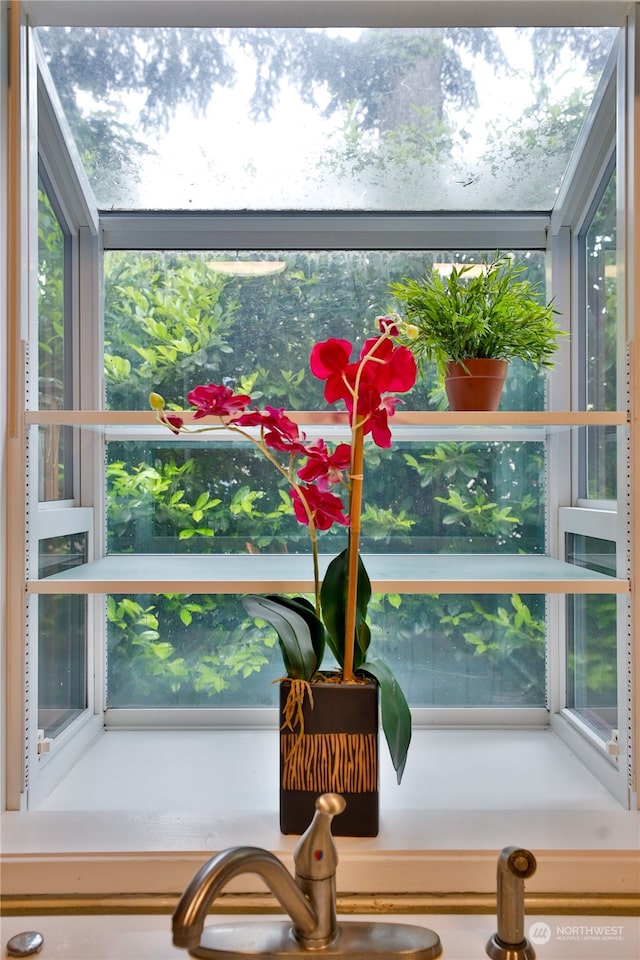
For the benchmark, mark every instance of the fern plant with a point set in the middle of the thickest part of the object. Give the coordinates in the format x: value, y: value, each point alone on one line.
x: 493, y: 313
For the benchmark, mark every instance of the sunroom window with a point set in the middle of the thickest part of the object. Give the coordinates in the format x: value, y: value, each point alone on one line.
x: 262, y: 202
x: 172, y: 320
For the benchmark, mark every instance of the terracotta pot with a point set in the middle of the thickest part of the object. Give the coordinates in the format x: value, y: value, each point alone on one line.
x: 336, y: 752
x: 478, y: 387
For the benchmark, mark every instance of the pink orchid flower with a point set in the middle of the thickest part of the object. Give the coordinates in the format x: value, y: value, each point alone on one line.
x: 214, y: 399
x: 326, y: 509
x: 382, y: 368
x: 323, y: 465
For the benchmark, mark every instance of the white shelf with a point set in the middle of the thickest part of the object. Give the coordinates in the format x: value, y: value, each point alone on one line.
x: 389, y: 573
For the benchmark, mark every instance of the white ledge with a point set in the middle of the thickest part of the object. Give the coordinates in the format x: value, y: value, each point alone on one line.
x: 142, y: 810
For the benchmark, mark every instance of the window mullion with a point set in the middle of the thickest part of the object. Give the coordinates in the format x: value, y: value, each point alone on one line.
x: 322, y: 231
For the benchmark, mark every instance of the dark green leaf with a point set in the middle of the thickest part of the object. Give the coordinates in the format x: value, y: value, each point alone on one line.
x: 333, y: 597
x: 306, y: 610
x: 394, y: 712
x: 300, y: 633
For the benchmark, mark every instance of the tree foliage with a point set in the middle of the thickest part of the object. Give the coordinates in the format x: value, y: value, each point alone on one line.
x: 163, y: 496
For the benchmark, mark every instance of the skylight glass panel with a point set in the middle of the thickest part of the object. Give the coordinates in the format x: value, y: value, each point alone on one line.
x: 303, y: 119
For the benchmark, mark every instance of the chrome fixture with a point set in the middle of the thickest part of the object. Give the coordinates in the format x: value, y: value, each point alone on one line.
x: 25, y: 944
x: 309, y: 899
x: 515, y: 865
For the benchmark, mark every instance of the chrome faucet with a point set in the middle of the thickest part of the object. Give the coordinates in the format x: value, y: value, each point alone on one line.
x: 515, y: 865
x: 309, y: 899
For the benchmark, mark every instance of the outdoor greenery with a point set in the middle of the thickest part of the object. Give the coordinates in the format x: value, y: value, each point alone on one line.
x: 53, y: 388
x: 170, y: 496
x: 601, y: 338
x: 402, y: 103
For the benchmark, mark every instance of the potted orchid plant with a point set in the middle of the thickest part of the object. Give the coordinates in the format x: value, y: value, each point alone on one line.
x: 314, y: 472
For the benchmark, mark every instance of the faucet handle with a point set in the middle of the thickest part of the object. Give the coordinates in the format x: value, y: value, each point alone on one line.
x: 315, y: 856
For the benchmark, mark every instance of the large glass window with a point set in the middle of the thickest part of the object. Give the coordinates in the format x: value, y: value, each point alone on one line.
x: 592, y: 652
x: 601, y: 254
x: 173, y: 320
x: 170, y: 651
x: 421, y: 496
x: 284, y: 129
x: 54, y: 346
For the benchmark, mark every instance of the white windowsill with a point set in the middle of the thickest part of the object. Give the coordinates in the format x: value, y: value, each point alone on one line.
x: 142, y: 810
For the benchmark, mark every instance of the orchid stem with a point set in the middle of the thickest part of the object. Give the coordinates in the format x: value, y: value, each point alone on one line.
x: 316, y: 571
x: 355, y: 509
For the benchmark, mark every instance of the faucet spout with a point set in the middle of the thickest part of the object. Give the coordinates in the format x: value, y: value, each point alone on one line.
x: 197, y: 899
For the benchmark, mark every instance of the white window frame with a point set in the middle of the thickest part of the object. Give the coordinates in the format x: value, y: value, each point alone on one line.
x: 90, y: 491
x: 53, y: 150
x: 47, y: 767
x: 611, y: 762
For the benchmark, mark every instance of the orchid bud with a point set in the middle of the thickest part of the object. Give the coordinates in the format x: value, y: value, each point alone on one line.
x: 156, y: 402
x: 388, y: 325
x: 410, y: 331
x: 173, y: 421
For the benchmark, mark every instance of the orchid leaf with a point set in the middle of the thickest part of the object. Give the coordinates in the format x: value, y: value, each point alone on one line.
x: 300, y: 633
x: 394, y: 713
x: 306, y: 609
x: 333, y: 597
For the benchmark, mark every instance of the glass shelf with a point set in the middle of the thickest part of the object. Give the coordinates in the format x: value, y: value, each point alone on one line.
x: 395, y: 573
x: 444, y: 418
x: 389, y: 573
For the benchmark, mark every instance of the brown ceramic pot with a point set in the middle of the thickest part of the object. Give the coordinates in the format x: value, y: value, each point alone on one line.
x: 337, y: 752
x: 478, y: 387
